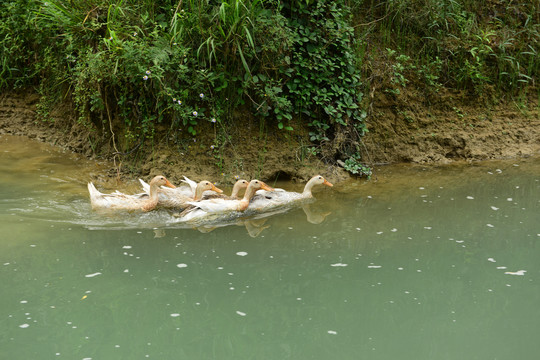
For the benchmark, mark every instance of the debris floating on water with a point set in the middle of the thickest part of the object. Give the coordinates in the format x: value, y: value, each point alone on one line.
x: 92, y: 275
x: 519, y: 272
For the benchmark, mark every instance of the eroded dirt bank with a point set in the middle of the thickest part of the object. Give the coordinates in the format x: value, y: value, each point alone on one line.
x: 450, y: 127
x: 412, y: 128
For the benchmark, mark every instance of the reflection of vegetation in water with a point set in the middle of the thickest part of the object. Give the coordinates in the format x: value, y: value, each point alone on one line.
x: 143, y: 70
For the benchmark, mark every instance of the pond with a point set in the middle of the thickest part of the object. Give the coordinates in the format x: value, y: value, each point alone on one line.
x: 420, y: 262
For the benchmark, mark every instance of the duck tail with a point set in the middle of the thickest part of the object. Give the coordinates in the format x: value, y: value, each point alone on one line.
x: 145, y: 186
x: 192, y: 184
x: 95, y: 195
x: 92, y: 190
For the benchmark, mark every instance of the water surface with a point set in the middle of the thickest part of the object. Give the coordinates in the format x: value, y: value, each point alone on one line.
x: 436, y: 262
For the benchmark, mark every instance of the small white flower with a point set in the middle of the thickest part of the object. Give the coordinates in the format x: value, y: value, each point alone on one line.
x: 179, y: 102
x: 195, y: 113
x: 111, y: 38
x: 145, y: 77
x: 213, y: 120
x: 201, y: 95
x: 174, y: 99
x: 148, y: 72
x: 212, y: 147
x: 135, y: 33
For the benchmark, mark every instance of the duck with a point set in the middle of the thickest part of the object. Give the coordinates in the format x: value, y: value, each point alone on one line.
x: 120, y: 201
x: 237, y: 187
x: 219, y: 206
x: 264, y: 200
x: 172, y: 198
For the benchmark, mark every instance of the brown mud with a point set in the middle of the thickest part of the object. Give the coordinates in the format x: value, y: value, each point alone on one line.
x: 439, y: 128
x: 450, y: 126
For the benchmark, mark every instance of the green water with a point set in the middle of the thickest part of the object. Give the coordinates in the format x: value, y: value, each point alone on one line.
x: 410, y: 265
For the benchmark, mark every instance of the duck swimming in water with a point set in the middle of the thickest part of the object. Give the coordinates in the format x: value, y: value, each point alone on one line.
x: 265, y: 200
x: 218, y: 206
x: 119, y: 201
x: 178, y: 199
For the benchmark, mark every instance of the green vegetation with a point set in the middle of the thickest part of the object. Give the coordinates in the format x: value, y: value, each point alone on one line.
x: 140, y: 70
x: 462, y: 44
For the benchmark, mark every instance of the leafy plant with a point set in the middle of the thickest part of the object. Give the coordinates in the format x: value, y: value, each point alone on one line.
x: 354, y: 165
x: 323, y: 80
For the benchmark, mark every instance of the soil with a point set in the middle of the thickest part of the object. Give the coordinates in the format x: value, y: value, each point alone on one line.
x: 413, y: 127
x: 450, y: 126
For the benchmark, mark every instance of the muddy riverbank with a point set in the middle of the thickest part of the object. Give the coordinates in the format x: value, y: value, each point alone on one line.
x: 412, y: 128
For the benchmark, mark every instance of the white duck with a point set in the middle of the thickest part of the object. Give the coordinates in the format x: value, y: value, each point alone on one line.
x: 172, y: 198
x: 237, y: 187
x: 269, y: 200
x: 219, y: 206
x: 119, y: 201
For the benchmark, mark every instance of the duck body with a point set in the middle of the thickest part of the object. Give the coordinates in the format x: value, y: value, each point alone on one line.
x: 266, y: 201
x: 238, y: 186
x: 214, y: 206
x: 178, y: 198
x: 120, y: 201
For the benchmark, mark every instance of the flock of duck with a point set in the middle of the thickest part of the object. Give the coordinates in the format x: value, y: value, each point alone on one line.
x: 198, y: 201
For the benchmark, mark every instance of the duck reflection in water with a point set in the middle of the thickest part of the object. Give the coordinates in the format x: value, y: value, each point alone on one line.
x: 256, y: 224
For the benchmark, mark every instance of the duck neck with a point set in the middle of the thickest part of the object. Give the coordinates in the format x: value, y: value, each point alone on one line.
x: 154, y: 188
x: 152, y: 201
x: 198, y: 193
x: 250, y: 192
x: 307, y: 189
x: 235, y: 191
